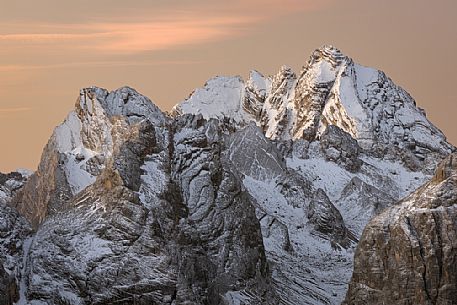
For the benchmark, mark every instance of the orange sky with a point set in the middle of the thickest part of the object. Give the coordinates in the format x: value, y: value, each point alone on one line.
x: 166, y: 48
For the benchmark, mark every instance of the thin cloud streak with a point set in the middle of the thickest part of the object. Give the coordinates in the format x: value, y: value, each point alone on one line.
x: 13, y: 68
x: 51, y: 37
x: 127, y: 38
x: 218, y: 21
x: 14, y: 110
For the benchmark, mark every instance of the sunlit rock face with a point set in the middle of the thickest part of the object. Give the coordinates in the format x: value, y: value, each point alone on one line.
x: 407, y: 253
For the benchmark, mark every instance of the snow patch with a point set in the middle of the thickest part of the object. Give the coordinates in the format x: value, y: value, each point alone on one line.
x: 23, y: 282
x: 236, y: 298
x: 221, y: 97
x: 68, y: 134
x: 77, y: 176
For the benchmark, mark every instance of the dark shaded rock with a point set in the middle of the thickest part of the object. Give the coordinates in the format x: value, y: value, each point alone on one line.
x: 14, y: 231
x: 9, y: 293
x: 327, y: 220
x: 338, y: 146
x: 220, y: 243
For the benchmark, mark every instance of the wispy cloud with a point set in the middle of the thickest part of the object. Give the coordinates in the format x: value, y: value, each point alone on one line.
x: 211, y: 22
x: 133, y: 37
x: 14, y: 110
x: 14, y: 68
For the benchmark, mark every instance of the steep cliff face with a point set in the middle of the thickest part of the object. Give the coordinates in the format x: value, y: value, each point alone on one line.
x: 407, y: 254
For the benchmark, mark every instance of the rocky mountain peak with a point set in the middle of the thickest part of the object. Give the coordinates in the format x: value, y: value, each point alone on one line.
x: 330, y: 90
x: 327, y: 57
x: 83, y: 145
x: 285, y: 72
x: 331, y: 54
x: 257, y: 82
x: 124, y: 102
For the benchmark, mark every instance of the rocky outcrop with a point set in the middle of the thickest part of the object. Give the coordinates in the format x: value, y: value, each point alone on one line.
x: 338, y: 146
x: 48, y: 186
x: 221, y: 247
x: 12, y: 183
x: 407, y: 254
x: 254, y: 155
x: 313, y: 90
x: 327, y: 220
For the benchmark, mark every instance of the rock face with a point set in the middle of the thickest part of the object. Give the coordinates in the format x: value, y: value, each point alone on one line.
x: 340, y: 143
x: 327, y: 220
x: 341, y: 148
x: 407, y: 254
x: 14, y: 234
x: 250, y: 192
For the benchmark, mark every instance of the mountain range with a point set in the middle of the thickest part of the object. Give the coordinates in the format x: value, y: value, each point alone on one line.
x: 328, y: 186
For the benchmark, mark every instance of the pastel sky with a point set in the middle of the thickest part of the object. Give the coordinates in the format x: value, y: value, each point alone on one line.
x: 49, y: 49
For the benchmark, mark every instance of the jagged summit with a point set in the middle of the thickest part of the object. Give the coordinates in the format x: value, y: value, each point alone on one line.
x: 330, y: 54
x: 125, y: 102
x: 330, y: 90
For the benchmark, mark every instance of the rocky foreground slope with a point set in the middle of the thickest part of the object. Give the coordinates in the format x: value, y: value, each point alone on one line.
x: 249, y: 192
x: 408, y: 253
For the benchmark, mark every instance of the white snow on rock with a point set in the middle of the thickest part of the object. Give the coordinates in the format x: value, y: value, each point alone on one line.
x: 153, y: 180
x: 77, y: 176
x: 3, y: 195
x: 68, y: 134
x: 220, y: 97
x: 257, y: 81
